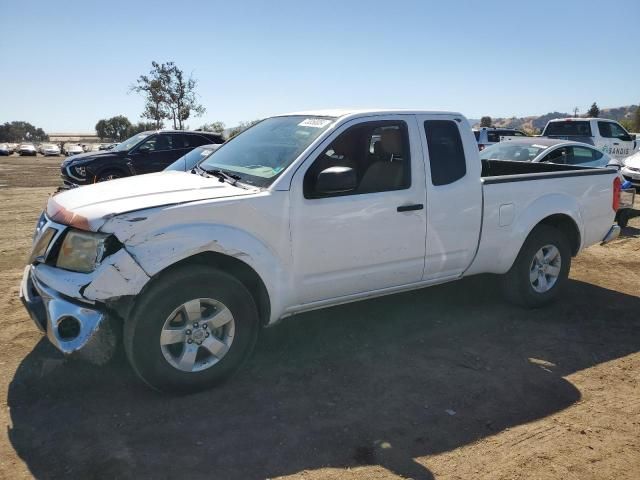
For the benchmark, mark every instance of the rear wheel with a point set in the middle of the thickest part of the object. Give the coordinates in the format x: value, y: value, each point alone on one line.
x: 191, y: 330
x: 541, y: 268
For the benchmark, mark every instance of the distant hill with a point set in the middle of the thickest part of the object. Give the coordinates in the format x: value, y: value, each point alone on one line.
x: 538, y: 122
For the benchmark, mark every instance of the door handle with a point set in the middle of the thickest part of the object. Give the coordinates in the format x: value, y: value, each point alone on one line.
x: 616, y: 143
x: 409, y: 208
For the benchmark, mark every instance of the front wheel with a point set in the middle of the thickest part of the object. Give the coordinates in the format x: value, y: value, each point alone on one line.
x: 191, y: 330
x: 109, y: 175
x: 541, y: 268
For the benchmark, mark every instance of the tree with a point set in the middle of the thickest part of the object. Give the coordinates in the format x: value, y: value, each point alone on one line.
x: 116, y: 128
x: 141, y: 127
x: 242, y: 126
x: 102, y: 128
x: 21, y: 131
x: 593, y: 111
x: 485, y: 122
x: 169, y: 94
x: 182, y: 99
x: 155, y: 88
x: 216, y: 127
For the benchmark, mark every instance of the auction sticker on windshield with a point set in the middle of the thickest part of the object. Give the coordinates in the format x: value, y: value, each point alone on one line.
x: 314, y: 122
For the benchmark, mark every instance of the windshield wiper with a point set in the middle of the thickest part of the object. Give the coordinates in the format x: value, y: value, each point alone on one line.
x: 230, y: 178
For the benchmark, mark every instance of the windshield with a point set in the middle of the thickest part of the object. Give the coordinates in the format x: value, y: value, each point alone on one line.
x: 191, y: 159
x: 519, y: 152
x: 258, y: 155
x: 129, y: 143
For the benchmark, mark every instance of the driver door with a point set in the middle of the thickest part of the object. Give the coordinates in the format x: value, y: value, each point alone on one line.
x: 372, y: 237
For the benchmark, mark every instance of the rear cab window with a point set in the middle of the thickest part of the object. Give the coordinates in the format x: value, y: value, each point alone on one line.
x: 569, y: 128
x: 446, y: 153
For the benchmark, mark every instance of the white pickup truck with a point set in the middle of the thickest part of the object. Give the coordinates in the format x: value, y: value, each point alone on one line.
x: 606, y: 135
x: 299, y: 212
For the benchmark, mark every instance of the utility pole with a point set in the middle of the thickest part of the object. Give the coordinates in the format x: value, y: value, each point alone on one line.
x: 575, y: 112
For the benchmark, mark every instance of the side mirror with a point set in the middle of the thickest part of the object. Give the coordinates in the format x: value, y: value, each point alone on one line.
x: 633, y: 136
x: 336, y: 180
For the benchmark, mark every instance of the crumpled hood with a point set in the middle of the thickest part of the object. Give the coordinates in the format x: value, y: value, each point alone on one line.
x: 633, y: 161
x: 87, y: 207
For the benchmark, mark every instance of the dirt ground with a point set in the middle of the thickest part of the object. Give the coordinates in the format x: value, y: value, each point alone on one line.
x: 449, y: 382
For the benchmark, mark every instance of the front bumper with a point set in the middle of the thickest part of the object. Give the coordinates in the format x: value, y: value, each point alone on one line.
x: 69, y: 325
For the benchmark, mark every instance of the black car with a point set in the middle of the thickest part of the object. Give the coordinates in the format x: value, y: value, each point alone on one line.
x: 145, y: 152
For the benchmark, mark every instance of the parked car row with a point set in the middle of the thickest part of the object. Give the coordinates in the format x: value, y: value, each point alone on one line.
x: 49, y: 149
x: 20, y: 149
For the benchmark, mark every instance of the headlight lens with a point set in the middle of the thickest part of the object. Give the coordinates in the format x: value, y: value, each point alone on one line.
x: 41, y: 221
x: 81, y: 251
x: 40, y: 247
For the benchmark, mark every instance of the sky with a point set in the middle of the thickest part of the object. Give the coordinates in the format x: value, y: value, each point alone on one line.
x: 66, y: 64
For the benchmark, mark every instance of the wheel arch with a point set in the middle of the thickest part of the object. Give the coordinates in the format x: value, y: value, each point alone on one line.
x: 234, y: 267
x: 110, y: 168
x: 567, y: 225
x: 500, y: 246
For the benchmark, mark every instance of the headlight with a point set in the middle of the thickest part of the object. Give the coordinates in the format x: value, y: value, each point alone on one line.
x: 82, y: 251
x: 41, y: 221
x: 80, y: 171
x: 40, y: 247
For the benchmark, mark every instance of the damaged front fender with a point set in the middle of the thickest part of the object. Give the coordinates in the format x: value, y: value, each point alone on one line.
x: 118, y: 275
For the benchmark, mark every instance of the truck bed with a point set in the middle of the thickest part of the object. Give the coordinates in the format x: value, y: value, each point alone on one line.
x: 502, y: 171
x: 514, y: 202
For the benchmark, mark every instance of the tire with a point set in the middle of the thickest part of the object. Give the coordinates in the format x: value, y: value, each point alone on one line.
x: 623, y: 218
x: 519, y: 284
x: 109, y: 175
x: 152, y: 361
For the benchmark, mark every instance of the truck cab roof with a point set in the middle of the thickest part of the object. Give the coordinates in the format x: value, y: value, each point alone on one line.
x: 342, y: 112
